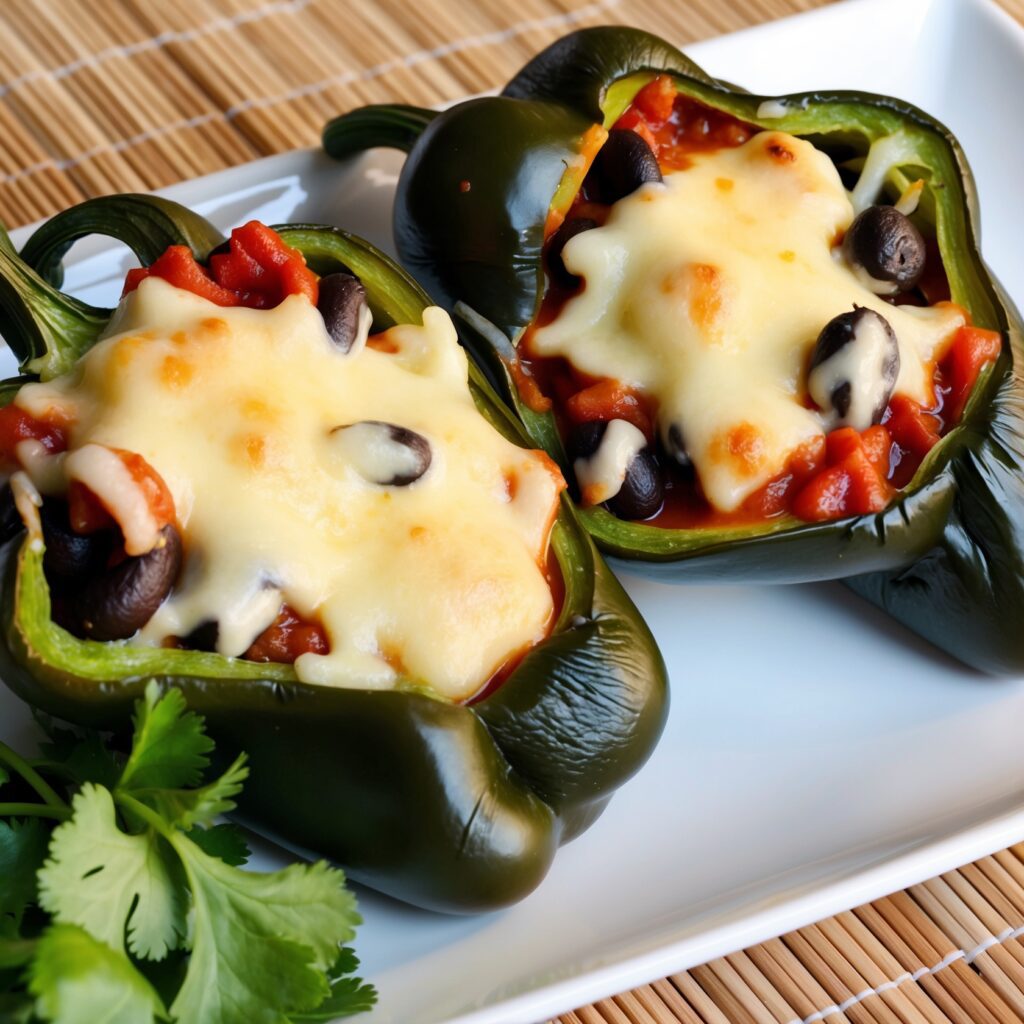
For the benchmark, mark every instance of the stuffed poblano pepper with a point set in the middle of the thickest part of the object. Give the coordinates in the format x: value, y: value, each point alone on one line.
x: 756, y: 332
x: 271, y: 478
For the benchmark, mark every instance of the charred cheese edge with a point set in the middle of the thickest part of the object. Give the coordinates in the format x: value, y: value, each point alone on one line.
x: 438, y: 582
x: 708, y: 291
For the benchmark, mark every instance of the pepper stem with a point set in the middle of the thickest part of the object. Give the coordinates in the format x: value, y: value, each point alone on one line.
x: 386, y: 125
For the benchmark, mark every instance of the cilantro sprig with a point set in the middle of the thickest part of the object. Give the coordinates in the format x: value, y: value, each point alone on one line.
x: 123, y: 902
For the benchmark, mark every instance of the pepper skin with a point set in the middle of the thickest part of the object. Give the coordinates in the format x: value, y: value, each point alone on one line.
x: 947, y: 556
x: 458, y: 808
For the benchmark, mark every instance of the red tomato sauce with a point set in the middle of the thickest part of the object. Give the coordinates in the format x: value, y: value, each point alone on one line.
x: 16, y: 426
x: 288, y: 636
x: 843, y: 474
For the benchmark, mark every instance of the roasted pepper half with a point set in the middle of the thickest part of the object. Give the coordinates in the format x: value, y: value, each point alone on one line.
x: 486, y: 181
x: 455, y: 807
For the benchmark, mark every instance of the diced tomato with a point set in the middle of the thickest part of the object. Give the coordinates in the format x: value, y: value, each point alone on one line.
x: 235, y: 270
x: 609, y: 400
x: 134, y: 278
x: 912, y: 427
x: 824, y: 497
x: 284, y: 269
x: 973, y: 348
x: 16, y: 426
x: 808, y: 458
x: 632, y: 120
x: 178, y: 266
x: 656, y: 100
x: 877, y: 443
x: 286, y: 638
x: 258, y: 271
x: 840, y: 443
x: 85, y: 511
x: 88, y: 513
x: 151, y: 483
x: 854, y: 481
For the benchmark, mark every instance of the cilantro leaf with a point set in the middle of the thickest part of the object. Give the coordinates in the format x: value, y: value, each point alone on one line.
x: 223, y: 841
x: 261, y: 942
x: 186, y: 808
x: 139, y: 868
x: 79, y: 980
x: 81, y: 756
x: 348, y: 995
x: 170, y: 748
x: 100, y: 878
x: 22, y: 852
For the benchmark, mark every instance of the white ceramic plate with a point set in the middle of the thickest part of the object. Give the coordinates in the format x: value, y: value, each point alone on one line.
x: 817, y: 755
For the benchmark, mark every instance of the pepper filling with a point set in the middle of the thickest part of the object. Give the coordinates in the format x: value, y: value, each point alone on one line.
x: 726, y: 339
x: 273, y: 483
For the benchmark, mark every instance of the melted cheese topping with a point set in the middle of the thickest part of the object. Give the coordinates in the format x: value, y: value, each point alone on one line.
x: 603, y: 473
x: 439, y: 581
x: 708, y: 292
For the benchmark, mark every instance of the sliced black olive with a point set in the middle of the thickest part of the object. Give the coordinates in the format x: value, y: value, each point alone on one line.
x: 568, y: 229
x: 642, y: 490
x: 341, y: 301
x: 854, y: 366
x: 384, y: 453
x: 10, y: 518
x: 70, y: 555
x: 120, y: 601
x: 622, y: 165
x: 887, y: 247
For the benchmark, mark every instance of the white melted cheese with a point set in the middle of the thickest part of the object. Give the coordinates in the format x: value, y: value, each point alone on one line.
x: 439, y: 581
x: 708, y: 292
x: 602, y: 474
x: 862, y: 358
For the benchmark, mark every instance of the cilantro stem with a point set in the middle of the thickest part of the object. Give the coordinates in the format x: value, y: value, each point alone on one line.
x: 146, y: 814
x: 13, y: 810
x: 32, y: 777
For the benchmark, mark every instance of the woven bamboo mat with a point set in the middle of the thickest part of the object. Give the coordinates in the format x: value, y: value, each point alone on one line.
x: 112, y: 95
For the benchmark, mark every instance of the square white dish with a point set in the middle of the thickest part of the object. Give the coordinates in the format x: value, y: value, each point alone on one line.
x: 817, y: 756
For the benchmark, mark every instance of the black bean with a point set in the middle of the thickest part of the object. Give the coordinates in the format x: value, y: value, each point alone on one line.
x: 675, y: 447
x: 568, y: 229
x: 385, y: 453
x: 585, y: 438
x: 117, y: 603
x: 622, y: 165
x: 70, y: 555
x: 856, y: 403
x: 204, y: 637
x: 642, y: 493
x: 642, y: 490
x: 10, y: 518
x: 885, y: 243
x: 341, y: 301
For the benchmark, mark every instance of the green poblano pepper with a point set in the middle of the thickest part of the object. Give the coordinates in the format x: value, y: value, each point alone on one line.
x: 946, y: 558
x: 453, y: 807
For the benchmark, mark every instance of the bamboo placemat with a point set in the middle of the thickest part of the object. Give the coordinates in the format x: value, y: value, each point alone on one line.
x: 112, y: 95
